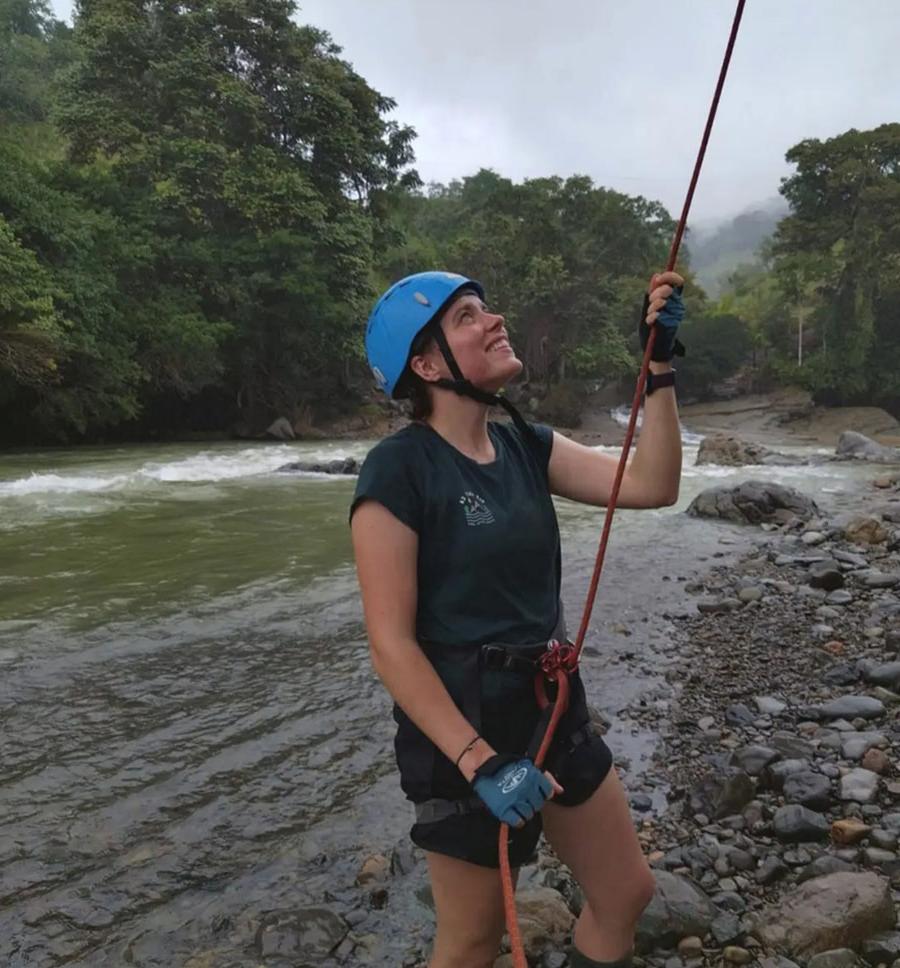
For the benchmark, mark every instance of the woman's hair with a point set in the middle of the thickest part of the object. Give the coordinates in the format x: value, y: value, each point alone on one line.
x: 417, y: 388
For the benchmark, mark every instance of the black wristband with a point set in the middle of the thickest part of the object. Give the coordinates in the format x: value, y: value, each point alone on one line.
x: 656, y: 381
x: 466, y: 749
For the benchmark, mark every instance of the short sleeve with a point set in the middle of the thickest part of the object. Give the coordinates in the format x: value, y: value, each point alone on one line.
x: 388, y: 477
x: 544, y: 444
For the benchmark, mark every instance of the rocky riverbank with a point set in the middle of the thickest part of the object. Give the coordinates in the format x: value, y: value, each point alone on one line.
x: 779, y: 752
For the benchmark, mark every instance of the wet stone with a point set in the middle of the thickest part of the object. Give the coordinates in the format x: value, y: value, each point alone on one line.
x: 794, y: 824
x: 827, y: 575
x: 726, y: 927
x: 791, y: 746
x: 850, y: 707
x: 883, y: 947
x: 754, y: 759
x: 775, y: 774
x: 809, y: 789
x: 308, y: 933
x: 836, y: 958
x: 826, y: 864
x: 771, y: 870
x: 839, y: 597
x: 859, y: 785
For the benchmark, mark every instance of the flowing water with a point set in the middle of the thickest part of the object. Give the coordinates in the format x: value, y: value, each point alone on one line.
x: 191, y: 736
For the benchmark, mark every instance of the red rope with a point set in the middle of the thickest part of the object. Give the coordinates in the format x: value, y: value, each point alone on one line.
x: 561, y: 677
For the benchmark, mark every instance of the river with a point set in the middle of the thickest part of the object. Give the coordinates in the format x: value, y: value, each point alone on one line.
x: 193, y: 741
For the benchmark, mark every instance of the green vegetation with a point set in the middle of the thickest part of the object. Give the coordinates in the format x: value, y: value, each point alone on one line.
x: 199, y: 201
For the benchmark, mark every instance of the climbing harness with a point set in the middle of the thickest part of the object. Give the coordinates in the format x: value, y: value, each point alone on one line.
x: 561, y: 657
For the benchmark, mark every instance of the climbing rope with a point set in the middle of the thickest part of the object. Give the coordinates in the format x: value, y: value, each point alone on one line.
x: 562, y: 659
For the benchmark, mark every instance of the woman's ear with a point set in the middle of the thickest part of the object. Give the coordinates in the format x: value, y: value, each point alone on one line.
x: 425, y: 367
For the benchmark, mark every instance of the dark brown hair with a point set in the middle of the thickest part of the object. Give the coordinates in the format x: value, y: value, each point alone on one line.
x: 412, y: 384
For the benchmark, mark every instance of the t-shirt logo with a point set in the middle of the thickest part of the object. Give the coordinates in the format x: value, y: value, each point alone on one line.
x: 476, y: 510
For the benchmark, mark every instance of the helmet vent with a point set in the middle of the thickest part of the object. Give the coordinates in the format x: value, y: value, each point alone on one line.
x: 421, y: 298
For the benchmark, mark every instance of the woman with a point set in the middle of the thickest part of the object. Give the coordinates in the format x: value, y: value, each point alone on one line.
x: 458, y: 557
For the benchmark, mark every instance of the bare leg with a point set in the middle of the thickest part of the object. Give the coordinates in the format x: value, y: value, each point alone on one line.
x: 468, y: 900
x: 598, y: 842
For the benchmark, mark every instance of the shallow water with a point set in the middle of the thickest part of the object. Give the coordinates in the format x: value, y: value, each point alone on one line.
x: 192, y: 736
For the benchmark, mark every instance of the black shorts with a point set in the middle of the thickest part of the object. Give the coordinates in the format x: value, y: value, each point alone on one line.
x: 578, y: 758
x: 474, y: 836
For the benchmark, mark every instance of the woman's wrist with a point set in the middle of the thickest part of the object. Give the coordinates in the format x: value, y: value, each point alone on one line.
x: 474, y: 757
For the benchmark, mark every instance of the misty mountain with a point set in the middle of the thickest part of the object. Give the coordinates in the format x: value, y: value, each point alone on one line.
x: 718, y: 248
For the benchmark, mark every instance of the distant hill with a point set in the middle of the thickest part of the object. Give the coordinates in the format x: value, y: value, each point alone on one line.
x: 718, y: 248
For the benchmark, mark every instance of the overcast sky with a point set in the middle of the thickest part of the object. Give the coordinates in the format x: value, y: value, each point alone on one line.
x: 619, y: 90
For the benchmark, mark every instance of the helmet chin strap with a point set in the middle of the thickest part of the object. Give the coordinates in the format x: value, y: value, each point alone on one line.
x: 465, y: 388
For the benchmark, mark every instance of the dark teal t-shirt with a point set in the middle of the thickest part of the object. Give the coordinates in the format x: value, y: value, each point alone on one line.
x: 489, y: 554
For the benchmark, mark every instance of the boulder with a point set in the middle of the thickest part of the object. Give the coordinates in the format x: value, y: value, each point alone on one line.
x: 835, y: 911
x: 854, y: 446
x: 678, y: 909
x: 753, y: 502
x: 731, y: 451
x: 280, y: 429
x: 866, y: 530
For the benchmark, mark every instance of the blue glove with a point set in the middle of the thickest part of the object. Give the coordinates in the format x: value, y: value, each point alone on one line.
x: 513, y: 789
x: 666, y: 345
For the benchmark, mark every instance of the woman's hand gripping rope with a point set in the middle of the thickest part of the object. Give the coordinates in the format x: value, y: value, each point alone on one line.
x: 513, y: 788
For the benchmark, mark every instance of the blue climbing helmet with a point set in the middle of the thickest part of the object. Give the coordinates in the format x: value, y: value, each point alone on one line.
x: 397, y: 319
x: 400, y: 315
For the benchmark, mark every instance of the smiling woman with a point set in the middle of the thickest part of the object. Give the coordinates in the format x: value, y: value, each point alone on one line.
x: 458, y: 555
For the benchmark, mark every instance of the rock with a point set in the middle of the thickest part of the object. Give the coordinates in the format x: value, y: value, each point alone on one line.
x: 375, y: 869
x: 884, y: 839
x: 750, y: 593
x: 796, y: 824
x: 720, y: 794
x: 340, y: 465
x: 835, y: 911
x: 730, y: 451
x: 739, y: 715
x: 310, y: 934
x: 775, y: 775
x: 726, y: 927
x: 854, y: 446
x: 791, y: 746
x: 753, y: 759
x: 826, y: 864
x: 827, y: 575
x: 847, y: 707
x: 877, y: 579
x: 691, y: 947
x: 754, y: 502
x: 883, y: 947
x: 859, y: 785
x: 809, y: 789
x: 840, y: 596
x: 876, y: 761
x: 866, y: 530
x: 770, y: 706
x: 812, y: 538
x: 280, y: 429
x: 712, y: 606
x: 884, y: 674
x: 678, y: 908
x: 544, y: 918
x: 737, y: 956
x: 771, y: 869
x: 836, y: 958
x: 849, y: 831
x: 855, y: 744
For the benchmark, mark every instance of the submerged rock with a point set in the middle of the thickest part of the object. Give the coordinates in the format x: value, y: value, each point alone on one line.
x: 731, y: 451
x: 340, y: 465
x: 854, y: 446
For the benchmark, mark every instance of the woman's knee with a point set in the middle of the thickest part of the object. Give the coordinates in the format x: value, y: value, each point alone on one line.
x: 626, y: 904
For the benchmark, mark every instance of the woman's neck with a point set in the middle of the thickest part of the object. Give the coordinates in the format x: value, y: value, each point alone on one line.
x: 463, y: 423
